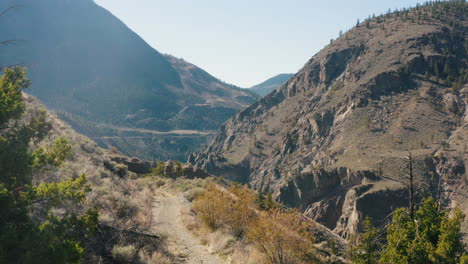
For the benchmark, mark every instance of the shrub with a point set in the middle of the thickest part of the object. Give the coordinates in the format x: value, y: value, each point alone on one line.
x: 209, y: 206
x: 126, y: 207
x: 159, y: 169
x: 194, y: 193
x: 121, y: 169
x: 160, y: 182
x: 282, y: 237
x: 124, y: 254
x: 132, y: 175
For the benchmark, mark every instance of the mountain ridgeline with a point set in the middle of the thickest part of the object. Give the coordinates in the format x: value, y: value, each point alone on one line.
x: 269, y: 85
x: 334, y: 140
x: 109, y: 83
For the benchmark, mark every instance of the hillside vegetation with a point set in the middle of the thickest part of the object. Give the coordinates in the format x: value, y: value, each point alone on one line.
x: 334, y: 140
x: 63, y: 199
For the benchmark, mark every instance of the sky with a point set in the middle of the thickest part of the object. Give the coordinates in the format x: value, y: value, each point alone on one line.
x: 244, y: 42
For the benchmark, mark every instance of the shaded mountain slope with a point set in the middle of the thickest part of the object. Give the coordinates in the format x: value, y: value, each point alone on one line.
x: 333, y: 139
x: 269, y: 85
x: 86, y: 63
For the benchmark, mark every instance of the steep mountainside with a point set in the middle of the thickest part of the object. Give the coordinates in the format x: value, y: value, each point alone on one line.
x: 334, y: 138
x: 269, y: 85
x: 86, y: 63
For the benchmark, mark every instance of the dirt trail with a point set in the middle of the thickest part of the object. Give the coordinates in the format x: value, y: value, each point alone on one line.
x: 167, y: 221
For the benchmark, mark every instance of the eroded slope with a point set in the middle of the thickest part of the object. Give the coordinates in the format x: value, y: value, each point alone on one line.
x: 334, y: 138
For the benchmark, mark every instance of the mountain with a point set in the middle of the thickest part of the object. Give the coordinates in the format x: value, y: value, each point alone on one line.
x: 269, y: 85
x: 104, y: 79
x: 334, y: 140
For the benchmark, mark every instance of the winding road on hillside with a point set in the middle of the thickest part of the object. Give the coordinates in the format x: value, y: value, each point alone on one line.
x: 167, y: 221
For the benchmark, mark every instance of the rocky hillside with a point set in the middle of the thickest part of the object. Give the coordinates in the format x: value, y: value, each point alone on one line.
x: 269, y: 85
x: 334, y: 139
x: 100, y: 75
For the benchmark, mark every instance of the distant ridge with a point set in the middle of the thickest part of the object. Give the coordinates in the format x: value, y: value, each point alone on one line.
x: 269, y: 85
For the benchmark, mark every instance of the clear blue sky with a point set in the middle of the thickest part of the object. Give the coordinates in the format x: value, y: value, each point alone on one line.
x: 244, y: 42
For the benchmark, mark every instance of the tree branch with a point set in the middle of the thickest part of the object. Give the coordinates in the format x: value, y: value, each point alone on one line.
x: 9, y: 9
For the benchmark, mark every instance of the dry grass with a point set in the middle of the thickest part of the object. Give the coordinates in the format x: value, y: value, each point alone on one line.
x: 125, y: 203
x: 228, y: 221
x: 124, y: 200
x: 124, y: 254
x: 223, y: 243
x: 159, y: 258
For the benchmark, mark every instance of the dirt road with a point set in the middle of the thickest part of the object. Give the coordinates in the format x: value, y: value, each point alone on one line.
x: 167, y: 221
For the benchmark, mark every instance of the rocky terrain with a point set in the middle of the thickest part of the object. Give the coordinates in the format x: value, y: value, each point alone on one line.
x: 106, y: 81
x: 334, y: 139
x: 269, y: 85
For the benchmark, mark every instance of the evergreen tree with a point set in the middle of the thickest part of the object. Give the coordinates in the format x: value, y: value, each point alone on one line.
x: 260, y: 200
x: 269, y: 202
x: 29, y: 235
x: 364, y: 248
x: 430, y: 238
x: 449, y: 245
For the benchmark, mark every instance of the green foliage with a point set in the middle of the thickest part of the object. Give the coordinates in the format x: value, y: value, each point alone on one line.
x: 52, y: 156
x: 449, y: 244
x: 74, y: 190
x: 15, y: 157
x: 159, y: 169
x: 12, y: 82
x: 265, y: 202
x: 432, y: 237
x: 364, y: 248
x: 30, y: 231
x: 52, y: 240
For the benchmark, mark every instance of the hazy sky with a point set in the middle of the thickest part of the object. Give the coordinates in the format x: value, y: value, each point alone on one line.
x: 244, y: 42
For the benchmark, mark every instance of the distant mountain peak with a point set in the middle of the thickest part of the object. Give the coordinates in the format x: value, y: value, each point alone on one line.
x: 269, y: 85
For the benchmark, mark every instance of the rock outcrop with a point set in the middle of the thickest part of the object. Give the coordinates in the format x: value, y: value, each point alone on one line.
x: 333, y: 139
x: 174, y: 169
x: 134, y: 164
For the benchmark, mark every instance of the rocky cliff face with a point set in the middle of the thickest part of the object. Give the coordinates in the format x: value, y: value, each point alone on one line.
x: 333, y: 139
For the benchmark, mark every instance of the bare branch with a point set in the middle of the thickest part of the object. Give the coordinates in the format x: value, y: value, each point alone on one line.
x: 9, y: 9
x: 6, y: 42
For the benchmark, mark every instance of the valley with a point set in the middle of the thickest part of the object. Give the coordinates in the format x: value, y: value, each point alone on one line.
x: 98, y: 72
x: 112, y: 152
